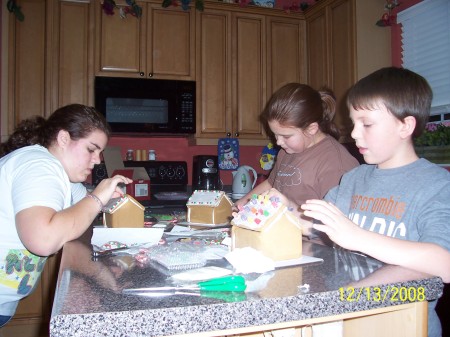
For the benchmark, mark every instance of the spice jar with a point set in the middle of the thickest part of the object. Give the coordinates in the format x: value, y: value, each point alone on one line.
x: 130, y: 155
x: 138, y: 155
x: 151, y: 155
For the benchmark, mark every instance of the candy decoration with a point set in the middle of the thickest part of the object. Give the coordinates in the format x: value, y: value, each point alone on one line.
x: 257, y: 211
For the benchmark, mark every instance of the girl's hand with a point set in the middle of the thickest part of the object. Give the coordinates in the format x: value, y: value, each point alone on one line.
x: 335, y: 224
x: 273, y: 192
x: 110, y: 188
x: 239, y: 203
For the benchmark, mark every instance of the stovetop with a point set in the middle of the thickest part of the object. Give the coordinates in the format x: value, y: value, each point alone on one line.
x: 168, y: 183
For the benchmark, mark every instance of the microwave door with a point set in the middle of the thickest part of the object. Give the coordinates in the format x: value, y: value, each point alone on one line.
x: 138, y: 114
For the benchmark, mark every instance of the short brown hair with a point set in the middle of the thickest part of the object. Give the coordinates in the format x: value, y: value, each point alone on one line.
x: 403, y: 92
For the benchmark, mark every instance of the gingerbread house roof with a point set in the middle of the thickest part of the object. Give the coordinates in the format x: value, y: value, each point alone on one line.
x: 211, y: 198
x: 116, y: 203
x: 261, y: 212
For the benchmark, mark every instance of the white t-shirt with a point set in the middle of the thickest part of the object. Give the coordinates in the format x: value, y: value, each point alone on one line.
x: 79, y: 191
x: 29, y: 176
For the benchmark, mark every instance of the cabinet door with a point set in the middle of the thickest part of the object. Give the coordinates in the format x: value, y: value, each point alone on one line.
x: 286, y: 52
x: 74, y: 57
x: 26, y: 69
x: 317, y: 37
x: 213, y: 73
x: 119, y: 45
x: 170, y: 43
x: 249, y: 76
x: 331, y: 55
x: 343, y: 60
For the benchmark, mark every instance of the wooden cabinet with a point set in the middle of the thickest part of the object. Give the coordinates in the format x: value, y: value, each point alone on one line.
x: 72, y: 54
x: 332, y: 53
x: 242, y: 58
x: 33, y: 313
x: 392, y: 321
x: 231, y: 74
x: 49, y: 60
x: 286, y: 52
x: 213, y: 31
x: 248, y: 75
x: 26, y: 75
x: 160, y: 44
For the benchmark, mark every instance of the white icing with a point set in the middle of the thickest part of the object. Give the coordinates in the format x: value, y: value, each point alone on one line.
x: 205, y: 198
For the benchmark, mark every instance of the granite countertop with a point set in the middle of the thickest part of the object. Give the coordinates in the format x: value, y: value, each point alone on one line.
x: 89, y: 302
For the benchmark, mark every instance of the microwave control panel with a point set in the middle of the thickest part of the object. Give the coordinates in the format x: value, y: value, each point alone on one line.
x: 187, y: 114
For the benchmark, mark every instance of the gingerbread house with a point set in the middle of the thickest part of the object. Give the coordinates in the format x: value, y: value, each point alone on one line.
x: 265, y: 224
x: 124, y: 212
x: 209, y: 207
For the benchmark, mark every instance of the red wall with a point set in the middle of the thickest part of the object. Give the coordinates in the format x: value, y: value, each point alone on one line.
x: 1, y: 56
x: 396, y: 46
x: 179, y: 149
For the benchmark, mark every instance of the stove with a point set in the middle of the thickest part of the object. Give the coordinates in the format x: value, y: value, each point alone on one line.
x: 168, y: 182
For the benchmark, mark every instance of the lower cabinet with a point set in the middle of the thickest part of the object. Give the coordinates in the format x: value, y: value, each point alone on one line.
x: 33, y: 313
x: 406, y: 320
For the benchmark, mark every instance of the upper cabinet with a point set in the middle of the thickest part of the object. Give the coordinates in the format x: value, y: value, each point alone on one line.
x: 332, y: 53
x: 238, y: 56
x: 286, y: 53
x: 73, y: 53
x: 160, y: 44
x: 26, y: 71
x: 231, y: 74
x: 243, y: 56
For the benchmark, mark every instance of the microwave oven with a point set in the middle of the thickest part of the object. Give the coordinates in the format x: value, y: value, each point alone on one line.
x: 141, y: 106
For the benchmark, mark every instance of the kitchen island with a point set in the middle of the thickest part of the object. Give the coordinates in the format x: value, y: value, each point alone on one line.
x: 368, y: 297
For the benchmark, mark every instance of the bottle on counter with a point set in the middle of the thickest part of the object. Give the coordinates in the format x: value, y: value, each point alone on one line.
x: 151, y: 155
x: 130, y: 155
x: 138, y: 155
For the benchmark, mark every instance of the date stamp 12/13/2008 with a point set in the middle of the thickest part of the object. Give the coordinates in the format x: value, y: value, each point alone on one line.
x: 377, y: 294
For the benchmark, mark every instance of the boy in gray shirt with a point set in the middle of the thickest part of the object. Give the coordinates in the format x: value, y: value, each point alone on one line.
x: 399, y: 203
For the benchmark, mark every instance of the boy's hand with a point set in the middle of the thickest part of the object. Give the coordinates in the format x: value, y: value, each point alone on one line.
x: 335, y: 224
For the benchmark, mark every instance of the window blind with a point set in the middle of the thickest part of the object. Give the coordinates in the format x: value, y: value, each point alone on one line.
x: 426, y: 49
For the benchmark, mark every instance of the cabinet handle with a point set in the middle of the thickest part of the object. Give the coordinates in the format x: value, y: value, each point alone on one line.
x: 141, y: 74
x: 150, y: 75
x: 236, y: 134
x: 228, y: 134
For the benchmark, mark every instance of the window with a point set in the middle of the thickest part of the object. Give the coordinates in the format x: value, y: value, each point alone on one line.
x: 426, y: 49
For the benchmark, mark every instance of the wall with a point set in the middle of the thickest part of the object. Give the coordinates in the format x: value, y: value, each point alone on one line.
x: 179, y: 149
x: 396, y: 31
x: 373, y: 42
x: 1, y: 13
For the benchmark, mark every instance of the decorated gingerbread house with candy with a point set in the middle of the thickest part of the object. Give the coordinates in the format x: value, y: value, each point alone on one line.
x: 265, y: 224
x: 209, y: 207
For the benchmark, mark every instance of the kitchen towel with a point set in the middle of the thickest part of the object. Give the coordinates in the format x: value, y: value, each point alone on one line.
x: 228, y: 153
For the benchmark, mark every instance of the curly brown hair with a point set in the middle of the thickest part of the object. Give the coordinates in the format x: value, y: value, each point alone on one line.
x: 77, y: 119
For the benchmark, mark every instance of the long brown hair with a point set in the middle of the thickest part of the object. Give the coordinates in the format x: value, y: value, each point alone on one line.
x: 299, y: 105
x: 77, y: 119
